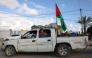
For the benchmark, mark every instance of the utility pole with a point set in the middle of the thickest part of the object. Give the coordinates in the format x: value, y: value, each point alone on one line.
x: 81, y: 19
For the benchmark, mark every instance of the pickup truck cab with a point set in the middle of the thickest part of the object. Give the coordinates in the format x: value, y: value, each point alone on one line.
x: 31, y: 42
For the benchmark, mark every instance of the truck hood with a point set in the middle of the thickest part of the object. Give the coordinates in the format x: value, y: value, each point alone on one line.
x: 12, y: 38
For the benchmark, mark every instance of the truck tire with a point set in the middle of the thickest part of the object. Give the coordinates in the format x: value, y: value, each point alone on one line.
x: 10, y: 51
x: 63, y: 50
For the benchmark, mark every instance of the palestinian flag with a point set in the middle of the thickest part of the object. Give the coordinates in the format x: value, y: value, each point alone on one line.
x: 59, y: 15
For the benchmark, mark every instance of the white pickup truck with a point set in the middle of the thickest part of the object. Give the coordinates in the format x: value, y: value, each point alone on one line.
x: 31, y: 42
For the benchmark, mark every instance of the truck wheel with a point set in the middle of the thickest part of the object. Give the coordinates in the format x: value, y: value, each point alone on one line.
x: 63, y: 50
x: 10, y: 51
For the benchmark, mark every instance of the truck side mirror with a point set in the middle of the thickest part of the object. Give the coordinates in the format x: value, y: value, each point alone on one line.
x: 21, y: 36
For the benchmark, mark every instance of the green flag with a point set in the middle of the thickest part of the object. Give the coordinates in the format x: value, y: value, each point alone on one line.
x: 59, y: 15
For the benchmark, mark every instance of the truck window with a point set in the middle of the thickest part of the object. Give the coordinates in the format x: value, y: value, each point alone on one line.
x: 30, y: 34
x: 46, y: 33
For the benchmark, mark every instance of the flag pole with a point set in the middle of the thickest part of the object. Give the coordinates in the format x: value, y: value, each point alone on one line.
x: 57, y: 25
x: 56, y: 21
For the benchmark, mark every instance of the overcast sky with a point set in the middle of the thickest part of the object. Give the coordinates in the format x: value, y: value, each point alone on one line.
x: 22, y: 14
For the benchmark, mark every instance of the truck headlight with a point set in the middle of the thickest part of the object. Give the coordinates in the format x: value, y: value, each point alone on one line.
x: 6, y: 39
x: 2, y: 44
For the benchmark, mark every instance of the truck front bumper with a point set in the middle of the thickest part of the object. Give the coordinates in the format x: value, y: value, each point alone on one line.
x: 3, y: 49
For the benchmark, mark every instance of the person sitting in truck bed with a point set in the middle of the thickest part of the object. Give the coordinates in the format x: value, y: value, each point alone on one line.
x: 42, y: 33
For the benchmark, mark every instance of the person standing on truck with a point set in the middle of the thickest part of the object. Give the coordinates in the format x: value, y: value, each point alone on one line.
x: 88, y: 36
x: 42, y: 33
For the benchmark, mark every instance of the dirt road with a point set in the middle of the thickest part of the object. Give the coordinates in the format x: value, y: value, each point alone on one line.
x: 87, y: 53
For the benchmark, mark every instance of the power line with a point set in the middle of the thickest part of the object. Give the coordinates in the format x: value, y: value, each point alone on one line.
x: 34, y: 16
x: 42, y: 17
x: 69, y: 20
x: 87, y: 10
x: 61, y: 12
x: 16, y: 15
x: 70, y: 11
x: 79, y: 4
x: 85, y: 13
x: 45, y: 14
x: 48, y: 18
x: 81, y: 16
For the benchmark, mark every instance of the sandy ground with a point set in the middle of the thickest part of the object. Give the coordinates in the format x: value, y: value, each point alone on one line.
x: 1, y: 40
x: 0, y: 43
x: 87, y: 53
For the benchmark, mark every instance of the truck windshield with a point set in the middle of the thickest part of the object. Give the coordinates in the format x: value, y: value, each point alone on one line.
x: 30, y: 34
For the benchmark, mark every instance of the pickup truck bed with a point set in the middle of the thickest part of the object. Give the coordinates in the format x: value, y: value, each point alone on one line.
x: 77, y: 42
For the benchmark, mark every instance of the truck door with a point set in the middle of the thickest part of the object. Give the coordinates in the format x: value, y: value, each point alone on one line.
x: 45, y: 43
x: 28, y: 42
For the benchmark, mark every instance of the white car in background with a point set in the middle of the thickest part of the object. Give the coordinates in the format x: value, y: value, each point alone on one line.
x: 12, y: 37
